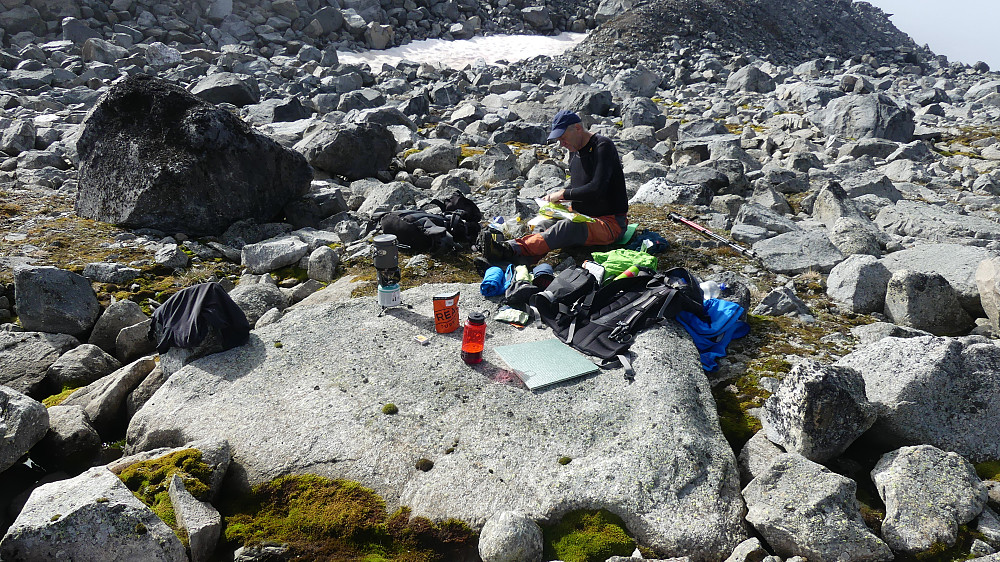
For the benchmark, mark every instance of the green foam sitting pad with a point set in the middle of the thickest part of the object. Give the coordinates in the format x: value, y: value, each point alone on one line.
x: 627, y: 234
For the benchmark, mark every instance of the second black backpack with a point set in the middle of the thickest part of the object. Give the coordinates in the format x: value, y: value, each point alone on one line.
x: 604, y: 321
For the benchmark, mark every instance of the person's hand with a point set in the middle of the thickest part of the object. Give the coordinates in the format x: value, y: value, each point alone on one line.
x: 556, y: 196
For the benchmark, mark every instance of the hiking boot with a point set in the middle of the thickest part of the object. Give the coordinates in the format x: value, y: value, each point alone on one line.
x: 496, y: 249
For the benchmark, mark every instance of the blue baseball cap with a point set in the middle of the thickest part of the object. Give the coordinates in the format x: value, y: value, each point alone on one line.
x: 561, y: 121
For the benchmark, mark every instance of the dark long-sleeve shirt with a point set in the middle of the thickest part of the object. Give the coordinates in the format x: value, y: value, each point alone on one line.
x: 597, y: 182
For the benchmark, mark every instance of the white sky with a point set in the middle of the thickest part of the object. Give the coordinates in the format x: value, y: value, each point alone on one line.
x: 964, y: 30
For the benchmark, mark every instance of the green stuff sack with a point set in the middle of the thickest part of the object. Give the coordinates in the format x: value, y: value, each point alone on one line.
x: 617, y: 261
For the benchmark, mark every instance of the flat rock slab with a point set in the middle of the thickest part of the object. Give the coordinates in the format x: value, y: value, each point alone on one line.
x: 922, y: 220
x: 651, y: 451
x: 797, y: 252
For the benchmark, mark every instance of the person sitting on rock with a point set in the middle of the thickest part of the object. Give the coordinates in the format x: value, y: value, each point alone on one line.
x: 597, y: 189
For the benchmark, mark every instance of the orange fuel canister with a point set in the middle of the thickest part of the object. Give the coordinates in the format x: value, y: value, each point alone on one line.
x: 446, y: 317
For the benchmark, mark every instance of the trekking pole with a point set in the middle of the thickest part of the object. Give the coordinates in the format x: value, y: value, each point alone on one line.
x: 711, y: 235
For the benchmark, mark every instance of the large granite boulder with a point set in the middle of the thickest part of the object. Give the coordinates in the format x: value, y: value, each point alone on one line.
x: 936, y: 391
x: 71, y: 442
x: 928, y: 493
x: 494, y: 445
x: 24, y: 422
x: 115, y: 318
x: 860, y: 283
x: 93, y: 516
x: 81, y: 366
x: 803, y: 509
x: 925, y: 301
x: 955, y: 262
x: 818, y: 411
x: 154, y: 156
x: 798, y: 252
x: 226, y: 87
x: 583, y: 99
x: 26, y: 358
x: 750, y: 79
x: 54, y: 300
x: 335, y: 149
x: 866, y: 116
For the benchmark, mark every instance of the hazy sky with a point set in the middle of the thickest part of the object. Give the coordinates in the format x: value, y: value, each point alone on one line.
x: 964, y: 30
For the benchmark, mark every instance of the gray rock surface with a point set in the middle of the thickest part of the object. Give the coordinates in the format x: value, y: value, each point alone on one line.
x: 24, y: 422
x: 133, y: 342
x: 928, y: 493
x: 334, y: 149
x: 757, y: 456
x: 199, y: 519
x: 749, y: 550
x: 866, y: 116
x: 26, y: 359
x: 925, y: 301
x: 93, y: 516
x: 50, y: 299
x: 226, y: 87
x: 71, y: 441
x: 105, y: 272
x: 859, y: 282
x: 674, y: 441
x: 782, y: 302
x: 117, y: 316
x: 660, y: 192
x: 103, y: 400
x: 935, y: 391
x: 257, y: 298
x: 987, y: 279
x: 273, y: 253
x: 81, y: 366
x: 955, y: 262
x: 798, y: 252
x: 510, y: 537
x: 801, y: 508
x: 818, y: 411
x: 931, y: 222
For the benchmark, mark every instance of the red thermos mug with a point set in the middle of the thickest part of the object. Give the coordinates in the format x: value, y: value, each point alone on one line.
x: 473, y: 338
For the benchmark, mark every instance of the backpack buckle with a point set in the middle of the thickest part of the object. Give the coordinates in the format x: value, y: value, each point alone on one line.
x: 620, y: 334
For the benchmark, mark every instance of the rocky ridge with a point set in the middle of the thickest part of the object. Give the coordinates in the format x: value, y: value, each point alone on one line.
x: 865, y: 178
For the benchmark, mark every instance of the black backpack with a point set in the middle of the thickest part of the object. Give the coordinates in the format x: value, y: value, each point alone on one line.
x: 604, y: 321
x: 419, y: 231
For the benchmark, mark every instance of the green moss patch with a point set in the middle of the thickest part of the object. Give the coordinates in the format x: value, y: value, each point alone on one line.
x: 587, y: 536
x: 989, y: 470
x: 57, y: 399
x: 150, y: 481
x: 324, y: 519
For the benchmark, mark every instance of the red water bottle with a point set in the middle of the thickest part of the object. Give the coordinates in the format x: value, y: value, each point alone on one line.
x: 473, y: 338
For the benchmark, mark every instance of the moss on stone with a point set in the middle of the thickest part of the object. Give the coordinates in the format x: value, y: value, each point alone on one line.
x: 587, y: 536
x: 150, y: 482
x: 323, y: 519
x: 988, y: 470
x: 564, y: 460
x: 57, y: 399
x: 390, y: 409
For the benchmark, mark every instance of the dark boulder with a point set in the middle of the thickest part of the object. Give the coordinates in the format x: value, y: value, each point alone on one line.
x: 154, y: 156
x: 226, y: 87
x: 337, y: 149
